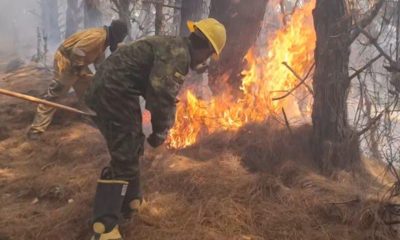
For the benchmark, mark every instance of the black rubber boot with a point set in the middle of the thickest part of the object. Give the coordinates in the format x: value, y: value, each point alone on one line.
x: 133, y: 199
x: 110, y: 194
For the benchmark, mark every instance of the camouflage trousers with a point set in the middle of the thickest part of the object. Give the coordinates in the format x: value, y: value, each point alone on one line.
x: 125, y: 142
x: 64, y: 80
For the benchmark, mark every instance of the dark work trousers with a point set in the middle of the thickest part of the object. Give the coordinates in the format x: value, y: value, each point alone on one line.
x: 125, y: 143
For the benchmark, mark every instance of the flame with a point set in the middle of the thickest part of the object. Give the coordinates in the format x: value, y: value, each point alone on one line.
x: 264, y: 80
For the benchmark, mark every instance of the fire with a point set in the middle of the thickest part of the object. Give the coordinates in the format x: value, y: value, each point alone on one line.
x: 265, y: 79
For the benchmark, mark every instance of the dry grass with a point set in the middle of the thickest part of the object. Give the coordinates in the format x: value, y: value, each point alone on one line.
x: 259, y: 183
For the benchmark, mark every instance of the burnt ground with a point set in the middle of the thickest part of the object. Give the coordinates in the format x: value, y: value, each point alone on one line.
x: 258, y: 183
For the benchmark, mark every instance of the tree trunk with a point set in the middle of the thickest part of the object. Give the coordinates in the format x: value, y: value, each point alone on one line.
x: 158, y: 22
x: 190, y: 10
x: 243, y: 21
x: 49, y: 9
x: 336, y: 146
x: 92, y: 14
x: 124, y: 13
x: 177, y: 17
x: 73, y: 18
x: 144, y: 21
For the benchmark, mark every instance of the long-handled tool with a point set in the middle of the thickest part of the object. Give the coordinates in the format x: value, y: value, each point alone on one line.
x: 44, y: 102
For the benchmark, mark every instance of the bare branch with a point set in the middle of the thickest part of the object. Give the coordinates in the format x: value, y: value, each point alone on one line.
x: 365, y: 67
x: 33, y: 12
x: 296, y: 4
x: 287, y: 121
x: 302, y: 81
x: 392, y: 222
x: 114, y: 9
x: 371, y: 14
x: 380, y: 50
x: 299, y: 78
x: 162, y: 4
x: 116, y: 3
x: 357, y: 200
x: 282, y: 7
x: 367, y: 19
x: 377, y: 118
x: 398, y: 31
x: 371, y: 123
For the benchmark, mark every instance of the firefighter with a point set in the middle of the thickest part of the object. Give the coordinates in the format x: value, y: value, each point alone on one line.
x: 153, y: 68
x: 71, y: 62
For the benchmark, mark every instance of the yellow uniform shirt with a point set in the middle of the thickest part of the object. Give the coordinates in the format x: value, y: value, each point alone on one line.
x: 85, y: 47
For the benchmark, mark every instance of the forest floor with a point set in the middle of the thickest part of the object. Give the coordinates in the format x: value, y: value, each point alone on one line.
x: 257, y: 183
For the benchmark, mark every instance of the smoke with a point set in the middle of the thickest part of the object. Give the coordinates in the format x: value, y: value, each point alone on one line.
x: 18, y: 22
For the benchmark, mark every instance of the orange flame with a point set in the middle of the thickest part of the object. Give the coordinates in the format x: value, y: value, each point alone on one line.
x: 264, y: 80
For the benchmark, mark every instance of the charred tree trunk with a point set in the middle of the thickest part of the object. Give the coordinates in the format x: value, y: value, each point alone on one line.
x: 49, y: 9
x: 92, y: 14
x: 190, y: 10
x: 243, y: 21
x: 124, y: 13
x: 73, y: 18
x: 335, y: 144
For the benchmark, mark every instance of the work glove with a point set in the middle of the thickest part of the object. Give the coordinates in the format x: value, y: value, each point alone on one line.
x: 157, y: 139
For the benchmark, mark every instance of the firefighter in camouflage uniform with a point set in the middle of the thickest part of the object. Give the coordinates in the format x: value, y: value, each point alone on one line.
x: 153, y: 68
x: 71, y: 62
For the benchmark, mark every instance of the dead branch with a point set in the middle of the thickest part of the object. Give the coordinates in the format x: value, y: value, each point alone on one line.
x: 283, y: 12
x: 298, y: 85
x: 371, y: 14
x: 296, y: 4
x: 398, y: 31
x: 302, y: 81
x: 365, y: 67
x: 380, y: 50
x: 376, y: 119
x: 366, y: 20
x: 33, y: 12
x: 116, y: 3
x: 371, y: 123
x: 114, y: 9
x: 287, y: 122
x: 162, y: 4
x: 392, y: 222
x: 357, y: 200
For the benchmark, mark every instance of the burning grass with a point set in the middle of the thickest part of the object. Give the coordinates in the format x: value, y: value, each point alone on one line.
x: 265, y: 79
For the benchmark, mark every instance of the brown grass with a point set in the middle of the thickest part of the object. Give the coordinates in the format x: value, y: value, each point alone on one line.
x: 258, y: 183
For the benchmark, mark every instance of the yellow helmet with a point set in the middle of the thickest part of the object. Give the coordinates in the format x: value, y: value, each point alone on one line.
x: 213, y: 30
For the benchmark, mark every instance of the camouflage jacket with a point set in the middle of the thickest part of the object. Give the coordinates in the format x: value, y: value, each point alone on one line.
x: 85, y: 47
x: 154, y: 68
